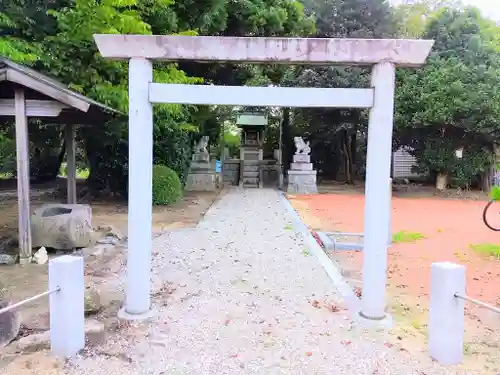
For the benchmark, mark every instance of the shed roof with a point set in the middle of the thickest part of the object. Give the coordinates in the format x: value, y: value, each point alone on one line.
x: 78, y: 109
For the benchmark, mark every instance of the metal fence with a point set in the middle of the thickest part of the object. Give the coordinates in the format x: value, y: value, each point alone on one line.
x: 447, y: 312
x: 66, y: 294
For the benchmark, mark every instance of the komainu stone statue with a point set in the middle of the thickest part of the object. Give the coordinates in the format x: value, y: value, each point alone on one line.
x: 301, y: 175
x: 202, y: 176
x: 202, y: 145
x: 301, y: 146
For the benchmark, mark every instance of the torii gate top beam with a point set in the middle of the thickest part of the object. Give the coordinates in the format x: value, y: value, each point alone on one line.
x: 315, y: 51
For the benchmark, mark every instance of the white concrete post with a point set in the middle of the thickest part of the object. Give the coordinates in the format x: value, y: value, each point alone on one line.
x: 446, y: 315
x: 140, y: 185
x: 67, y: 333
x: 377, y: 212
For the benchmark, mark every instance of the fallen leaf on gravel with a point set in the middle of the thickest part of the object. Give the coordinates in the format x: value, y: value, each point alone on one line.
x: 333, y: 308
x: 388, y: 344
x: 315, y: 303
x: 309, y: 354
x: 318, y: 240
x: 358, y: 291
x: 346, y: 342
x: 227, y: 321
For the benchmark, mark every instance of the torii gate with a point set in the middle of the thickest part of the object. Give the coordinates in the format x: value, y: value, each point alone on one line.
x: 381, y: 54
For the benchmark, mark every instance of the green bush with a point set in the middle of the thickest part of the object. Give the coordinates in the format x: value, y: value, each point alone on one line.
x: 495, y: 193
x: 173, y: 147
x: 7, y: 154
x: 167, y: 187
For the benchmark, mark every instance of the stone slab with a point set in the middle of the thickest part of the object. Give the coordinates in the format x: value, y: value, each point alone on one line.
x: 302, y: 182
x: 301, y: 166
x: 62, y: 226
x: 301, y: 189
x: 201, y: 182
x: 291, y: 172
x: 301, y: 158
x: 10, y: 322
x: 253, y: 174
x: 202, y: 167
x: 201, y: 157
x: 350, y: 51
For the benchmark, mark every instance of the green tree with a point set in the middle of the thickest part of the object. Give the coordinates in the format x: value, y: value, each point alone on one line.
x: 56, y: 37
x: 333, y: 133
x: 454, y: 100
x: 411, y: 16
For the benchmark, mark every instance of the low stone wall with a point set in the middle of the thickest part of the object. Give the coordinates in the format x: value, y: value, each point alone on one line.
x: 270, y: 173
x: 231, y: 171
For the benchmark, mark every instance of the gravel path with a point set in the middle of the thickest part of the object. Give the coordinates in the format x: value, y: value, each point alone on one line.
x: 240, y: 294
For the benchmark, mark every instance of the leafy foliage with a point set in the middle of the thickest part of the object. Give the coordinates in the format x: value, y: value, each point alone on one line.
x: 405, y: 236
x: 232, y: 141
x: 172, y: 146
x: 495, y: 193
x: 167, y: 188
x: 411, y: 16
x: 7, y: 154
x: 454, y: 100
x: 352, y: 18
x: 11, y: 43
x: 56, y: 37
x: 333, y: 133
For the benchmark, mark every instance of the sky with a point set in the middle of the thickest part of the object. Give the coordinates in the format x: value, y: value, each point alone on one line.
x: 489, y: 8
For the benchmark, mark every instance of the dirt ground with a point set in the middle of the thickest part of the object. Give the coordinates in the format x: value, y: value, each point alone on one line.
x: 100, y: 266
x: 450, y: 227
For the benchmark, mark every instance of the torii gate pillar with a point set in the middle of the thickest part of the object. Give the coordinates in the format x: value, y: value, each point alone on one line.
x: 383, y: 55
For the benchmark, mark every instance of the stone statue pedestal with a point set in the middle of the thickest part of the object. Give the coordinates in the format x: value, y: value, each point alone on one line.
x: 202, y: 176
x: 302, y: 176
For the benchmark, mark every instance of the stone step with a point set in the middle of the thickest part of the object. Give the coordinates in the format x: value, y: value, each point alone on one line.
x: 251, y: 168
x: 250, y: 181
x: 250, y: 163
x: 251, y: 174
x: 252, y: 186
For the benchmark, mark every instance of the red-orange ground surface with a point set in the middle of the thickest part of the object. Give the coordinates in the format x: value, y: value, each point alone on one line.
x: 449, y: 227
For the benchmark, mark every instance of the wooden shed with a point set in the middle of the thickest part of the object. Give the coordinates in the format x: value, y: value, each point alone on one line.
x: 26, y: 93
x: 402, y: 164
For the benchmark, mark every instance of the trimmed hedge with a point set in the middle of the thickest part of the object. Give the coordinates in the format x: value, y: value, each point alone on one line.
x: 167, y: 187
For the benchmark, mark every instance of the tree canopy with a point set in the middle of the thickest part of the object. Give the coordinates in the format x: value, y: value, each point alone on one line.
x: 451, y: 102
x: 56, y: 37
x: 454, y: 100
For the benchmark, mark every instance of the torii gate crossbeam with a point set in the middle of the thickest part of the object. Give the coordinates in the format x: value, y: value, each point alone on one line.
x: 383, y: 55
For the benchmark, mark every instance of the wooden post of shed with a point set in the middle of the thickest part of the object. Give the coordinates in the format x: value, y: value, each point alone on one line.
x: 280, y: 156
x: 23, y: 176
x: 222, y: 146
x: 71, y: 163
